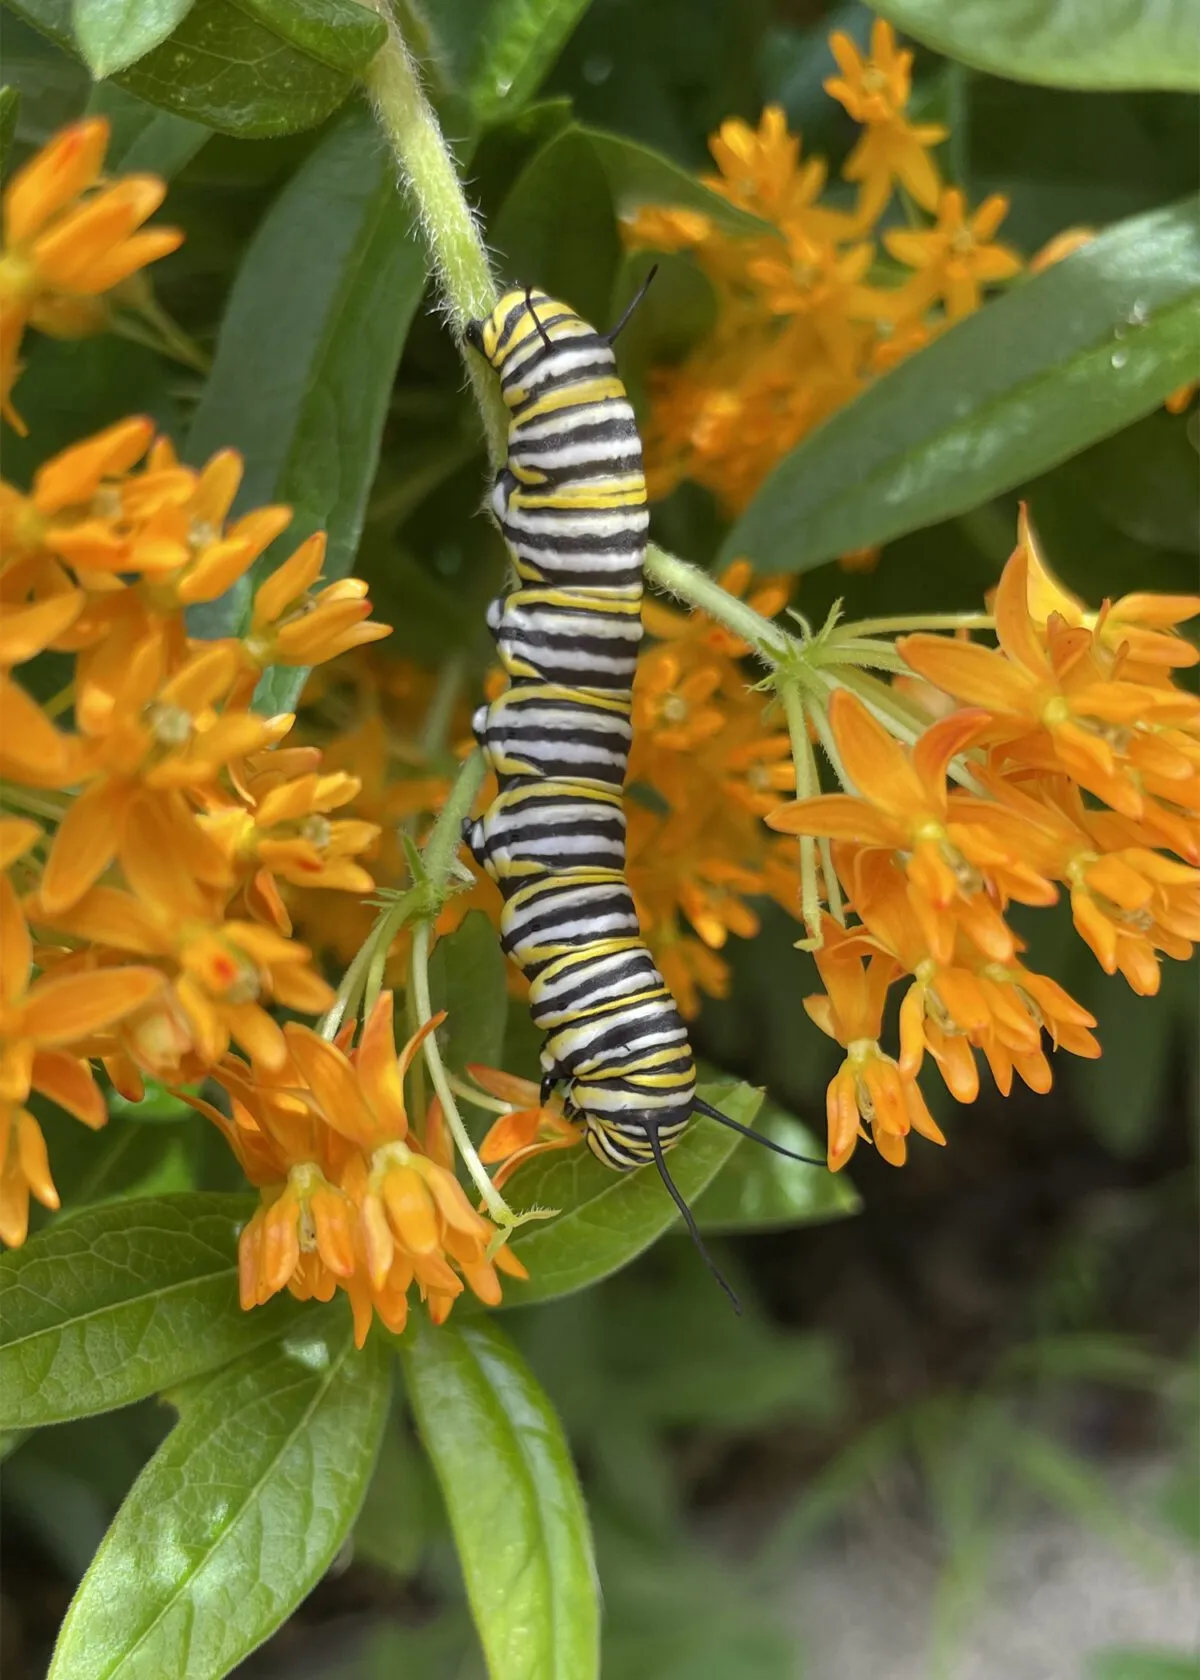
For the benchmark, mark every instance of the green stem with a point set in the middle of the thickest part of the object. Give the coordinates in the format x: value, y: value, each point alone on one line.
x: 451, y: 231
x: 688, y: 583
x: 363, y: 979
x: 492, y: 1199
x: 900, y: 625
x: 446, y: 835
x: 807, y: 785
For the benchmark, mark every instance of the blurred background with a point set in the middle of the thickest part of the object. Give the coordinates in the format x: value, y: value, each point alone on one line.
x: 954, y: 1434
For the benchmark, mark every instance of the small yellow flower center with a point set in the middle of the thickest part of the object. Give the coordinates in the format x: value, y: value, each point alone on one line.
x: 106, y: 502
x: 171, y: 726
x: 962, y: 242
x: 387, y: 1156
x: 862, y: 1050
x: 303, y: 1179
x: 202, y: 533
x: 674, y: 709
x: 317, y: 830
x: 18, y: 280
x: 244, y: 985
x: 1055, y: 711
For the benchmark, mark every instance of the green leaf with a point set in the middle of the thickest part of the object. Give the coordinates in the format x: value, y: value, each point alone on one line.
x: 499, y: 51
x: 1059, y: 362
x: 557, y: 224
x: 10, y: 105
x: 122, y: 1301
x: 144, y: 138
x: 608, y: 1218
x: 467, y: 978
x: 237, y: 1515
x: 757, y: 1190
x: 1103, y: 44
x: 399, y: 1511
x: 113, y: 34
x: 229, y: 69
x: 1143, y: 1665
x: 518, y: 1517
x: 303, y: 372
x: 341, y: 33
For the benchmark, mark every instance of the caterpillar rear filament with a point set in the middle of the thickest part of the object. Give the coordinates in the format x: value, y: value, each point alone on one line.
x: 571, y: 505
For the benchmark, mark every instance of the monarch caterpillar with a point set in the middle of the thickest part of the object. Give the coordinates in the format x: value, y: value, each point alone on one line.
x: 570, y: 502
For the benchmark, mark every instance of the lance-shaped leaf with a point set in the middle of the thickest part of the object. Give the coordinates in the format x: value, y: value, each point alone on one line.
x: 1062, y: 43
x: 144, y: 137
x: 113, y: 34
x: 500, y: 51
x: 237, y: 1515
x: 757, y: 1190
x: 608, y: 1218
x: 122, y: 1301
x: 1064, y: 359
x: 254, y: 69
x: 514, y: 1503
x: 303, y: 372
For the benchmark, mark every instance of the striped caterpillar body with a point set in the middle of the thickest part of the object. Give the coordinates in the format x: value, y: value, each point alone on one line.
x: 571, y: 505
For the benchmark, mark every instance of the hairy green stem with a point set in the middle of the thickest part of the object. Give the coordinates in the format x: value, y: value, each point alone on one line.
x: 451, y: 231
x: 688, y: 583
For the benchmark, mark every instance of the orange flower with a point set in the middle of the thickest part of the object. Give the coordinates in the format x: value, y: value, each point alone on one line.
x: 224, y: 972
x: 874, y: 91
x: 350, y: 1199
x: 528, y: 1126
x: 40, y: 1020
x: 958, y: 862
x: 289, y: 625
x: 1127, y: 901
x: 1056, y: 704
x: 146, y: 747
x: 870, y: 1096
x: 955, y: 258
x: 761, y: 172
x: 1141, y: 626
x: 283, y: 831
x: 65, y: 242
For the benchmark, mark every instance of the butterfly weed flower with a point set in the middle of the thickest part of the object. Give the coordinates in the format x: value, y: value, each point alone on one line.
x: 809, y: 310
x: 871, y: 1096
x: 350, y: 1197
x: 527, y: 1126
x: 69, y: 239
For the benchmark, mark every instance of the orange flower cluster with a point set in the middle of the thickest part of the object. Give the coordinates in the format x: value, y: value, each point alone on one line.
x: 810, y: 312
x: 1077, y: 764
x: 351, y: 1199
x: 69, y: 240
x: 159, y: 927
x: 710, y: 758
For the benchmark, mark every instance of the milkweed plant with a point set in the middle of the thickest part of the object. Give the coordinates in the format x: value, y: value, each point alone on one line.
x: 238, y: 926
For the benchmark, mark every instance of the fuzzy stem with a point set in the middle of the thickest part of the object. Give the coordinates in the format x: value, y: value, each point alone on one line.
x: 451, y: 231
x: 807, y: 785
x: 499, y: 1209
x: 688, y: 583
